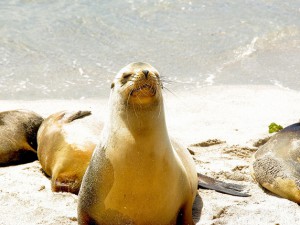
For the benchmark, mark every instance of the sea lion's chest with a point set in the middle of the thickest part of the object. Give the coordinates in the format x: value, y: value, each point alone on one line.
x: 143, y: 184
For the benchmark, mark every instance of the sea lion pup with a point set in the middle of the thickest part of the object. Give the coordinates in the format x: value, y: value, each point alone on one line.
x: 18, y: 130
x: 276, y: 164
x: 136, y: 175
x: 66, y: 141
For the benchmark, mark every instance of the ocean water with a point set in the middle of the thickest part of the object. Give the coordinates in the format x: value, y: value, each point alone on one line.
x: 72, y: 49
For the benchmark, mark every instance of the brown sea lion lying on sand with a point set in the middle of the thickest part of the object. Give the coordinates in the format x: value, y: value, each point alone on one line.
x: 18, y: 130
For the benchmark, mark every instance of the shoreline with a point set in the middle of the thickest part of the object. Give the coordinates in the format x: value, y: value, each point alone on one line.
x: 237, y: 115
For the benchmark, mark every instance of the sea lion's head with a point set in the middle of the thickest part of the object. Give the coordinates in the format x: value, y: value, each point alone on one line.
x: 138, y: 84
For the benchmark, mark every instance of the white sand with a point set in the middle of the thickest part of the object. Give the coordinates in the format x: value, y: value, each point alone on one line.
x: 238, y: 115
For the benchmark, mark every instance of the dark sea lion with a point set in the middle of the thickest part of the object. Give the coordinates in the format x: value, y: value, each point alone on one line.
x: 276, y: 164
x: 66, y: 141
x: 137, y: 175
x: 18, y: 130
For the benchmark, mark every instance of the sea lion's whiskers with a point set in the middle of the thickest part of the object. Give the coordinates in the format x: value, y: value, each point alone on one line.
x: 153, y: 87
x: 167, y: 80
x: 160, y: 99
x: 167, y: 89
x: 141, y: 90
x: 127, y: 105
x: 135, y: 110
x: 161, y: 84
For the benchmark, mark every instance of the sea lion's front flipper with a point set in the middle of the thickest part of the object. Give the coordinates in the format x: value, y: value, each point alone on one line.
x: 220, y: 186
x: 77, y: 115
x: 197, y: 208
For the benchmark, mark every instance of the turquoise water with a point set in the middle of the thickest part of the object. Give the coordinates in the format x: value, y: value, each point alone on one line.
x: 72, y: 49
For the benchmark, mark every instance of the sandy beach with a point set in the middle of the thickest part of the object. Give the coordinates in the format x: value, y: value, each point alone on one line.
x: 238, y: 116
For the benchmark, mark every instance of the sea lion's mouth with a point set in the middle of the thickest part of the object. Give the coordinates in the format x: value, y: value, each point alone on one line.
x: 145, y: 90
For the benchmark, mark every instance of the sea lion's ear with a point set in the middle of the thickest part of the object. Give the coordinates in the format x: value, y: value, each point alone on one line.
x: 112, y: 85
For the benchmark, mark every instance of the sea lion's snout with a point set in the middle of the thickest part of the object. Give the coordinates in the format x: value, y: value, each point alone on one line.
x: 144, y: 90
x: 144, y: 84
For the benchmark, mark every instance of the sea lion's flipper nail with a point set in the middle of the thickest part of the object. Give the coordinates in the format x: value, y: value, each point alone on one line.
x: 222, y: 187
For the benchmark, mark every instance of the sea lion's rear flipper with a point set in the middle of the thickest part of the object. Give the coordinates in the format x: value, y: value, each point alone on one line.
x: 77, y: 115
x: 220, y: 186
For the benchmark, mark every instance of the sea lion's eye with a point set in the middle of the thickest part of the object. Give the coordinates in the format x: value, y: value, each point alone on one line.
x: 112, y: 85
x: 125, y: 78
x: 126, y: 75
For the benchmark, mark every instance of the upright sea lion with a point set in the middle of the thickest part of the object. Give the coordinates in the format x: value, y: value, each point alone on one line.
x: 137, y: 175
x: 18, y: 130
x: 66, y: 141
x: 276, y: 164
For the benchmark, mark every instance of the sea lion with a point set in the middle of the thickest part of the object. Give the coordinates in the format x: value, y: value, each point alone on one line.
x: 18, y: 130
x: 276, y: 164
x: 66, y: 141
x: 137, y: 175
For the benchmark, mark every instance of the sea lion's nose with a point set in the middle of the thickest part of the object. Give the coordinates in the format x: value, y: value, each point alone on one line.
x: 146, y: 72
